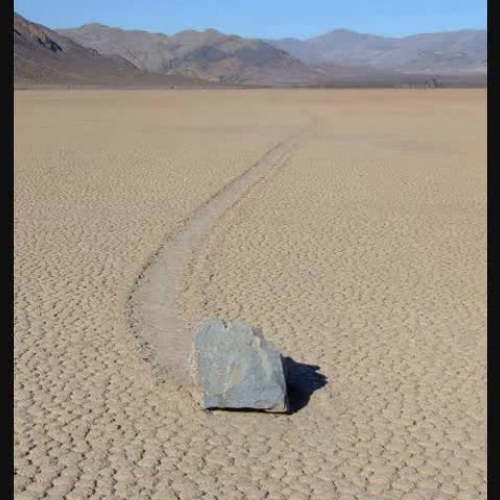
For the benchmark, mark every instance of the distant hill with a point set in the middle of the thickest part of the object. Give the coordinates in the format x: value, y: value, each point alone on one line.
x: 452, y: 52
x: 209, y: 55
x: 44, y: 57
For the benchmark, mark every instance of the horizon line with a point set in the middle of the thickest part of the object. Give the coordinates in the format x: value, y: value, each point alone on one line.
x: 99, y: 23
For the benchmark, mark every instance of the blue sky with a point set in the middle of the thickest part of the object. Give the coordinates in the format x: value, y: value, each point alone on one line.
x: 263, y: 18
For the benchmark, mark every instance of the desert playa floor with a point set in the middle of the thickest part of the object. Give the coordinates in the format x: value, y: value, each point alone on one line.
x: 360, y: 250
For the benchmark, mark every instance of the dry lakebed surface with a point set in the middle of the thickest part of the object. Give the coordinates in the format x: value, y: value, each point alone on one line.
x: 349, y: 225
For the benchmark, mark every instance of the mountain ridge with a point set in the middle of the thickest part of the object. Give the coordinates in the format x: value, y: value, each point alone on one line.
x: 208, y: 54
x: 229, y: 58
x: 453, y: 51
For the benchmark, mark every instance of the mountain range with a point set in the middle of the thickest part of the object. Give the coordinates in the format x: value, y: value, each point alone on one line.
x: 102, y: 55
x: 446, y: 52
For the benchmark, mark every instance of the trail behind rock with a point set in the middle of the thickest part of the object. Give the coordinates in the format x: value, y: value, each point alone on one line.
x: 154, y: 307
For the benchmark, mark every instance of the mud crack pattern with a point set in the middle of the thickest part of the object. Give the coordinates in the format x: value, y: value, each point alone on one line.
x: 363, y: 255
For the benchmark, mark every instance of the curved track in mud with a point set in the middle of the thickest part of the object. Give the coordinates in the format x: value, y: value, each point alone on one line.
x: 154, y: 308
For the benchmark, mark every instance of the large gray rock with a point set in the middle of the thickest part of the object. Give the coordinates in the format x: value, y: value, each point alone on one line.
x: 234, y: 366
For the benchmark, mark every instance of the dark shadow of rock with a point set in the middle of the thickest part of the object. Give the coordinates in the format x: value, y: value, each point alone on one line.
x: 301, y: 380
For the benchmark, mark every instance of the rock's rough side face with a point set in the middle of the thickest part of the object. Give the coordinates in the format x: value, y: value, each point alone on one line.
x: 235, y: 367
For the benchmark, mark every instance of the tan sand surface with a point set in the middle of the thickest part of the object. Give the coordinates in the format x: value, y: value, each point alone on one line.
x: 362, y: 252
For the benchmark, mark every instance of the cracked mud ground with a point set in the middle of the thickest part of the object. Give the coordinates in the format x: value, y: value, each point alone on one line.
x: 363, y: 254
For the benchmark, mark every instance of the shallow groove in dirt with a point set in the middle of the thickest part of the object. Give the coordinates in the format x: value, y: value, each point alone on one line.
x: 154, y: 311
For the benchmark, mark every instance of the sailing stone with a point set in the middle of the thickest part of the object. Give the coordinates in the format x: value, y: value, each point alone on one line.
x: 235, y: 367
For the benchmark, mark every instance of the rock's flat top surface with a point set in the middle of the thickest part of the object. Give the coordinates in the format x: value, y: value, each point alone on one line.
x: 235, y: 367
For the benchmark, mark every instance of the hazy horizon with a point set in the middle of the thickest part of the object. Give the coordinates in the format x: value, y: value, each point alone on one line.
x: 301, y: 20
x: 340, y: 28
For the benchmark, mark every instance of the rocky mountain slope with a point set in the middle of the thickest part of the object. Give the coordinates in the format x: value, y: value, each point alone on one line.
x: 209, y: 54
x: 44, y: 57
